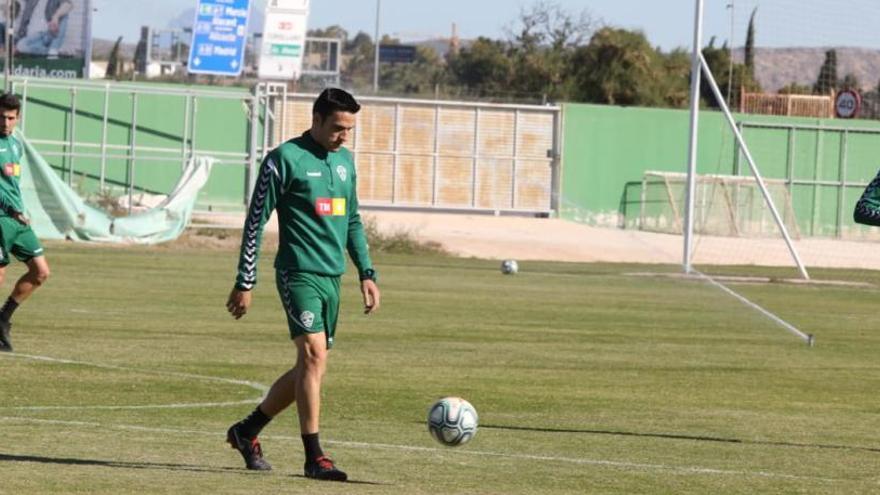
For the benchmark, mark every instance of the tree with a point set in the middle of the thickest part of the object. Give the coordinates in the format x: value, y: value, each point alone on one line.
x: 850, y: 82
x: 542, y: 41
x: 826, y: 83
x: 729, y: 83
x: 750, y: 43
x: 620, y: 67
x: 674, y: 85
x: 114, y: 62
x: 483, y: 69
x: 794, y: 88
x: 718, y: 60
x: 421, y: 76
x: 335, y: 31
x: 359, y: 54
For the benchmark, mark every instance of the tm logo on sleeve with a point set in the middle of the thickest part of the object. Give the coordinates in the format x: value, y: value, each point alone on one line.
x: 326, y: 207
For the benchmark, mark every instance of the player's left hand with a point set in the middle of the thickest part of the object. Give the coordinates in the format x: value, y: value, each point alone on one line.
x: 238, y: 303
x: 371, y: 296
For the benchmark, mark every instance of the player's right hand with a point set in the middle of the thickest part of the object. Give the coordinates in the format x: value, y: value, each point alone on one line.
x: 238, y: 303
x: 19, y: 216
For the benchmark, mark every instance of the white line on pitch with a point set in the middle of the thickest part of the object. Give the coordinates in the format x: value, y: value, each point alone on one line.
x: 256, y: 386
x: 253, y: 385
x: 411, y: 448
x: 743, y: 299
x: 182, y: 405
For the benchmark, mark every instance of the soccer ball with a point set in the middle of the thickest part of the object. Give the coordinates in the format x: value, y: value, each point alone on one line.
x: 509, y: 267
x: 452, y: 421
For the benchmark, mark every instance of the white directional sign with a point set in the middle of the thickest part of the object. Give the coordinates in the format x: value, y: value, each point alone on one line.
x: 219, y: 34
x: 284, y: 39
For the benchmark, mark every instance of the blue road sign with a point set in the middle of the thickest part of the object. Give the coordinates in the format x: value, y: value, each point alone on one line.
x: 219, y: 34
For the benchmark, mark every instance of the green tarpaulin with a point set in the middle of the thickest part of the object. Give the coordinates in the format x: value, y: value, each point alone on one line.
x: 58, y: 212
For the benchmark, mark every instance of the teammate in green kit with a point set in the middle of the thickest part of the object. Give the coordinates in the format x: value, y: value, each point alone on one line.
x: 867, y: 209
x: 16, y: 236
x: 311, y: 183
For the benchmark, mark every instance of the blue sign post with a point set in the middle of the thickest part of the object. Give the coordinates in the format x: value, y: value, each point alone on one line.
x: 219, y: 34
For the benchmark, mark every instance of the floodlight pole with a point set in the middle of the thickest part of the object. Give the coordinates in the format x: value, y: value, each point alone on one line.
x: 696, y: 66
x: 376, y: 54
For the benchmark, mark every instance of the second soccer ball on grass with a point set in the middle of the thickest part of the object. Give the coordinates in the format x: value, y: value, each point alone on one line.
x: 509, y: 267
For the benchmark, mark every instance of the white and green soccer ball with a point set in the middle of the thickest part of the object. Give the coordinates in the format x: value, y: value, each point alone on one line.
x: 452, y: 421
x: 509, y: 267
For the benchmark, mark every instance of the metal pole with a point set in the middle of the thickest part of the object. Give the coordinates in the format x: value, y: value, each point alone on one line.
x: 395, y: 158
x: 7, y: 66
x: 435, y: 186
x: 251, y: 168
x: 842, y: 188
x: 104, y: 136
x: 24, y: 105
x: 692, y: 145
x: 513, y: 169
x: 72, y: 143
x: 732, y: 8
x: 131, y: 151
x: 476, y: 151
x: 760, y: 180
x: 376, y: 54
x: 184, y: 155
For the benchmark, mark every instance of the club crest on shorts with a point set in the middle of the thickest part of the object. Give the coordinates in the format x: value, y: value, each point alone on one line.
x: 307, y: 318
x: 340, y: 170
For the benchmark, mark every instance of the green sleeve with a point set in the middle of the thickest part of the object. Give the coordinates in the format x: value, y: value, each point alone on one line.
x: 357, y: 238
x: 267, y: 190
x: 867, y: 209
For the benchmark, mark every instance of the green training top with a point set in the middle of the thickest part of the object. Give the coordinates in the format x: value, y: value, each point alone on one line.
x: 10, y: 174
x: 315, y: 194
x: 871, y: 196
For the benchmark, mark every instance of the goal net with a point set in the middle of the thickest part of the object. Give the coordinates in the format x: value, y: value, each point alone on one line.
x: 724, y: 205
x: 802, y: 82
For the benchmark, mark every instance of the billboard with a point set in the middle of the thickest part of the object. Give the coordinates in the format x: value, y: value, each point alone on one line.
x: 219, y: 35
x: 397, y: 54
x: 51, y: 38
x: 284, y: 39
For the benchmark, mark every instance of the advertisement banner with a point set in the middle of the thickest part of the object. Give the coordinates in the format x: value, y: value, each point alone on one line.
x: 219, y: 36
x: 51, y: 38
x: 284, y: 39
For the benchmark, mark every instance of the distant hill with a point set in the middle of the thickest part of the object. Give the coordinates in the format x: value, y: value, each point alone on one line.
x: 777, y: 67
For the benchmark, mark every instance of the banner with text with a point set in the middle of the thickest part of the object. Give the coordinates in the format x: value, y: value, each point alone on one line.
x: 284, y: 39
x: 219, y: 36
x: 51, y: 38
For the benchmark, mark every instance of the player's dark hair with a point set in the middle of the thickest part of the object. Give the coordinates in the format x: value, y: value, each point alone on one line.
x: 9, y: 101
x: 335, y: 100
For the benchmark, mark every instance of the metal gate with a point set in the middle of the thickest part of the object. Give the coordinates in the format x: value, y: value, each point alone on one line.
x: 429, y: 154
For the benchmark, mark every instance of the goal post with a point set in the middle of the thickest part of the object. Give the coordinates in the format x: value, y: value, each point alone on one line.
x: 724, y: 205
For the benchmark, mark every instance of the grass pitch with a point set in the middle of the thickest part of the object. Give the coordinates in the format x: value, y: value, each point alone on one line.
x: 128, y: 371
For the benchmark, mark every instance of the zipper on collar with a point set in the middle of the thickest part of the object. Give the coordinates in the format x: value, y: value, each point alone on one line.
x: 332, y: 184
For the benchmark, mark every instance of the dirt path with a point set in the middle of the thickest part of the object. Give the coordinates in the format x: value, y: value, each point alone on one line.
x: 526, y: 238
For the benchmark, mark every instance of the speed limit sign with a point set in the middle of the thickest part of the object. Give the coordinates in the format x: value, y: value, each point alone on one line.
x: 847, y: 104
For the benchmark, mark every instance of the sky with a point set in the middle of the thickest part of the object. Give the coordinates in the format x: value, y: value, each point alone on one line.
x: 667, y: 23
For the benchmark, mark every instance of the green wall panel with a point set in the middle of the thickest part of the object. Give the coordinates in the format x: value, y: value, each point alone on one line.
x: 221, y: 126
x: 607, y: 149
